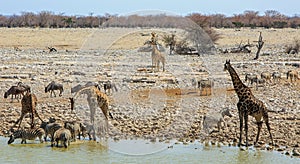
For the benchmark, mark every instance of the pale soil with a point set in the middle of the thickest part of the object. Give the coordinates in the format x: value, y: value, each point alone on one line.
x: 170, y: 108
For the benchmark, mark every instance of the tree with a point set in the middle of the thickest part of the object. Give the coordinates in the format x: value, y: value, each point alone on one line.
x: 68, y: 22
x: 250, y: 17
x: 259, y: 46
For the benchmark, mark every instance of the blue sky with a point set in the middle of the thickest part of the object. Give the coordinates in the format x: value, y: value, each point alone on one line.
x: 179, y: 7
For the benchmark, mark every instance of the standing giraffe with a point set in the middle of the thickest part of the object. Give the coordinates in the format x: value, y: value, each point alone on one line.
x: 29, y: 102
x: 248, y: 105
x: 156, y: 55
x: 95, y: 99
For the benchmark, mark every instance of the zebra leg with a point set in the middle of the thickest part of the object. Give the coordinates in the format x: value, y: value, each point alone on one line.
x: 45, y: 137
x: 41, y: 139
x: 57, y: 140
x: 65, y: 143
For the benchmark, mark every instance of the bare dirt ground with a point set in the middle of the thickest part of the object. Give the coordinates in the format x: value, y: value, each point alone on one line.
x: 152, y: 105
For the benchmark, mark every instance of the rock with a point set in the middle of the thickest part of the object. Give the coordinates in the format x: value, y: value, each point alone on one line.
x: 280, y: 149
x: 271, y: 100
x: 270, y: 148
x: 295, y: 152
x: 243, y: 148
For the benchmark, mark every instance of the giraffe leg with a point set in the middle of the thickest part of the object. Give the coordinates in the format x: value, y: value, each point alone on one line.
x: 38, y: 116
x: 20, y: 120
x: 246, y: 127
x: 32, y: 120
x: 241, y: 123
x: 259, y: 125
x: 241, y: 127
x: 269, y: 129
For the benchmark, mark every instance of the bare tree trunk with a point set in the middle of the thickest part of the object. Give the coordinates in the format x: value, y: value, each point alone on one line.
x: 259, y: 46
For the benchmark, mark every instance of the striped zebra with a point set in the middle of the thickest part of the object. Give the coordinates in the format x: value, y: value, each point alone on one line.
x: 63, y: 135
x: 50, y: 129
x: 31, y: 134
x: 74, y: 127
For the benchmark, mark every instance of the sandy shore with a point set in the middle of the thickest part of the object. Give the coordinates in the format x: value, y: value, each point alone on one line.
x: 169, y: 108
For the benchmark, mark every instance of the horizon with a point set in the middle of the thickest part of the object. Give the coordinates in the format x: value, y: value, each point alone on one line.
x: 125, y: 7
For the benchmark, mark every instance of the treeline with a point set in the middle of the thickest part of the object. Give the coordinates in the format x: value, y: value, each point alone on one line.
x: 270, y: 19
x: 47, y: 19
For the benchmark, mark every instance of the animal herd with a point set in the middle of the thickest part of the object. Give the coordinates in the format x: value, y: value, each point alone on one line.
x: 268, y: 78
x: 65, y: 133
x: 70, y: 131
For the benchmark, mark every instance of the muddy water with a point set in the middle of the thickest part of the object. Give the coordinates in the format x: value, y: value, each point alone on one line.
x: 133, y: 151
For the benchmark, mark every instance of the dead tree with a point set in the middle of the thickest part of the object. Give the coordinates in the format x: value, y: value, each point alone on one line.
x: 260, y: 44
x: 52, y: 49
x: 240, y: 49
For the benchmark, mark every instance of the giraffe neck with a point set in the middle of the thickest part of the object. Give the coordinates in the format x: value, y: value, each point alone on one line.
x: 154, y: 49
x: 88, y: 91
x: 237, y: 83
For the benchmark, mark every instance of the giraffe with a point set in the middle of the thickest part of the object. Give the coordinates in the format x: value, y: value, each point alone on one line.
x: 95, y: 99
x: 28, y: 102
x: 248, y: 105
x: 156, y: 55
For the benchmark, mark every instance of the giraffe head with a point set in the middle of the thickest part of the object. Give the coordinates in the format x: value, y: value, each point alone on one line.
x: 226, y: 65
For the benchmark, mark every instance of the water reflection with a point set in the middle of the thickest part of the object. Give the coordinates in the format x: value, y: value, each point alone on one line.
x: 138, y: 147
x: 93, y: 152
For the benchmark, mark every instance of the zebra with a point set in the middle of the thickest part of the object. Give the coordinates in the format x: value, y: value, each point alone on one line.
x: 108, y: 86
x: 266, y: 75
x: 217, y: 118
x: 54, y: 86
x: 249, y: 77
x: 63, y: 135
x: 31, y: 134
x: 293, y: 74
x: 74, y: 127
x: 14, y: 91
x: 50, y: 129
x: 205, y: 86
x: 88, y: 129
x: 258, y: 81
x: 276, y: 76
